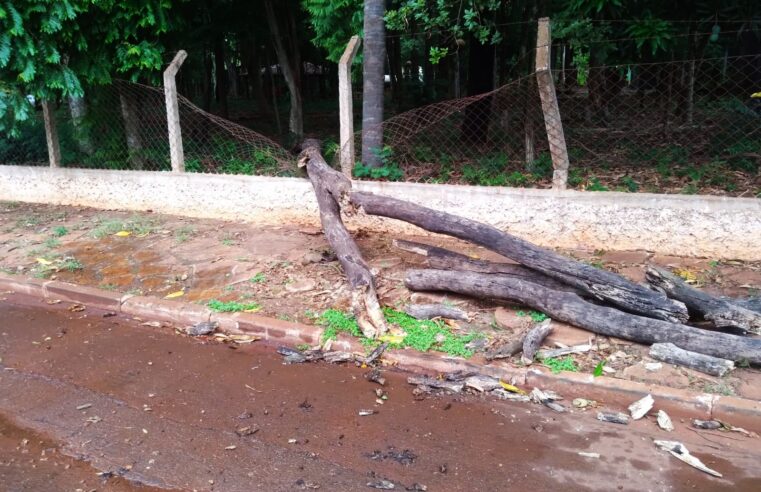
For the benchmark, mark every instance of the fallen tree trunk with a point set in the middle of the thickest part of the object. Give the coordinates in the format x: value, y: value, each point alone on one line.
x: 444, y: 259
x: 572, y: 309
x: 752, y: 303
x: 671, y: 354
x: 329, y: 187
x: 722, y: 313
x: 534, y: 339
x: 601, y: 284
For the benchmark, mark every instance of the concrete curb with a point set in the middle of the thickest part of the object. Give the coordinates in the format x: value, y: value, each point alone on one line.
x: 610, y: 392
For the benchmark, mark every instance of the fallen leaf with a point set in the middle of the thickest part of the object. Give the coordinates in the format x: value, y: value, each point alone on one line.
x: 253, y: 310
x: 43, y: 261
x: 174, y: 295
x: 392, y: 339
x: 75, y: 308
x: 122, y: 233
x: 511, y: 388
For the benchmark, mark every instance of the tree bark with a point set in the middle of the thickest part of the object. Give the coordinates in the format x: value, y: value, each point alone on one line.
x: 444, y: 259
x: 596, y: 282
x: 430, y: 311
x: 374, y: 55
x: 296, y: 115
x: 220, y: 74
x: 507, y: 349
x: 753, y: 303
x: 330, y: 188
x: 78, y: 110
x: 570, y: 308
x: 671, y: 354
x: 131, y: 118
x: 722, y: 313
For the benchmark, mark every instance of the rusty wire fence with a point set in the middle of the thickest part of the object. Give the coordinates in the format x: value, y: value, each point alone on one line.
x: 123, y: 126
x: 689, y: 126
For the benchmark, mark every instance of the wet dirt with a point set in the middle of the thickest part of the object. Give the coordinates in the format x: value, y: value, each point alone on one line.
x: 166, y: 409
x: 211, y: 259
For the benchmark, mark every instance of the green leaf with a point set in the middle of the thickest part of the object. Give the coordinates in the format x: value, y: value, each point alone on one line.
x: 598, y: 368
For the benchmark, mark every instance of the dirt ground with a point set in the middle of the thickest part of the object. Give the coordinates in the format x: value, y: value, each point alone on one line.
x: 289, y: 272
x: 145, y: 406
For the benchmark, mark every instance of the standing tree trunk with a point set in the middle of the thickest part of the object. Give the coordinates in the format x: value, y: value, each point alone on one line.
x: 131, y: 116
x: 221, y: 75
x: 374, y: 52
x: 207, y: 85
x: 475, y: 123
x: 255, y: 77
x: 78, y: 110
x: 296, y: 116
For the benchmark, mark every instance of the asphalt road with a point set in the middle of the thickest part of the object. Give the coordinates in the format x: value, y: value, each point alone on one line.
x: 83, y: 393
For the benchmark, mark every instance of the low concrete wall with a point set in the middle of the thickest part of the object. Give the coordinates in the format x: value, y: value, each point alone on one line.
x: 714, y: 227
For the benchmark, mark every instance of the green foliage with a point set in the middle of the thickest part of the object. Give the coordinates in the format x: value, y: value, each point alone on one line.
x: 334, y: 22
x: 422, y: 335
x: 536, y: 316
x: 389, y: 171
x: 50, y: 49
x: 629, y: 183
x: 52, y: 243
x: 560, y: 364
x: 232, y: 306
x: 72, y: 264
x: 60, y: 231
x: 595, y: 185
x: 598, y: 370
x: 542, y: 166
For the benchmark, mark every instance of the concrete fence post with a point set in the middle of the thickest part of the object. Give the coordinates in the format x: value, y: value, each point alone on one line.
x: 345, y: 106
x: 550, y: 109
x: 176, y: 153
x: 51, y: 135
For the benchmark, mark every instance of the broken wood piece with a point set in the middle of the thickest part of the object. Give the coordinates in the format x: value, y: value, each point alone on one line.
x: 330, y: 188
x: 375, y: 354
x: 429, y: 311
x: 601, y: 284
x: 722, y: 313
x: 678, y: 450
x: 572, y: 309
x: 506, y: 349
x: 455, y: 387
x: 576, y: 349
x: 503, y: 394
x: 671, y: 354
x: 639, y: 408
x: 706, y: 424
x: 613, y: 417
x: 337, y: 356
x: 482, y: 383
x: 534, y: 339
x: 664, y: 421
x: 547, y: 399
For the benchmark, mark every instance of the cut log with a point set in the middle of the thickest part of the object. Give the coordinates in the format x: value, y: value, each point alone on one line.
x: 430, y: 311
x: 722, y: 313
x: 329, y: 188
x: 604, y: 285
x: 444, y: 259
x: 572, y: 309
x: 671, y: 354
x: 534, y: 339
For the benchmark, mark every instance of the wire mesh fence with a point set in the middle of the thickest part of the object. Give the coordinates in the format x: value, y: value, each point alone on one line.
x: 123, y: 126
x: 684, y: 126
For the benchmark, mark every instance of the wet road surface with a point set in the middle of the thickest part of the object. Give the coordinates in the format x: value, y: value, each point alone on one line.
x: 82, y: 393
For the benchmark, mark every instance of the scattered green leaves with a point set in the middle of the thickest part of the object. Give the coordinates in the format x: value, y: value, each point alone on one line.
x: 535, y: 316
x: 232, y: 306
x: 559, y: 364
x: 598, y: 370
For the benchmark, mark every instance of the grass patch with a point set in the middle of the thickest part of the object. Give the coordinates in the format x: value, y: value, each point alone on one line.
x: 137, y: 225
x: 259, y: 278
x: 421, y: 335
x: 559, y: 364
x: 232, y: 306
x: 719, y: 388
x: 182, y: 234
x: 60, y: 231
x: 535, y: 316
x: 52, y: 243
x: 71, y: 265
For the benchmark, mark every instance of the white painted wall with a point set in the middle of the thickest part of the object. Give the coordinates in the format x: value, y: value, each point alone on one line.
x: 705, y: 226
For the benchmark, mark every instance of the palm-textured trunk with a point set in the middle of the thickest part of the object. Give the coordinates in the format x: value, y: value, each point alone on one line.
x: 132, y: 123
x: 296, y: 117
x: 78, y: 110
x: 374, y: 52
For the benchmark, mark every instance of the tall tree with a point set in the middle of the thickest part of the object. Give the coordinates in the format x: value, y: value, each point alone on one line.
x: 290, y: 65
x: 374, y: 51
